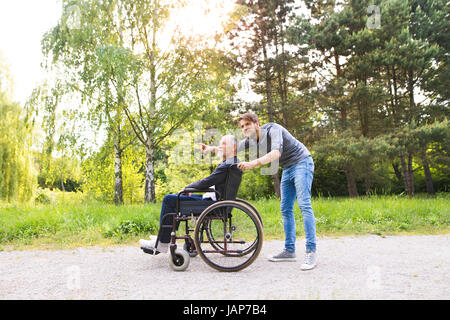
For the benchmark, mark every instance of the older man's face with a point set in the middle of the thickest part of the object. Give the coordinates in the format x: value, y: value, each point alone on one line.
x: 226, y: 148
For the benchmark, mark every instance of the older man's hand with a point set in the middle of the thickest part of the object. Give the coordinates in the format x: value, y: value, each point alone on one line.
x: 205, y: 149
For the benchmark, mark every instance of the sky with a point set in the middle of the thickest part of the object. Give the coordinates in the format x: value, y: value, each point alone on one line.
x: 22, y: 25
x: 24, y: 22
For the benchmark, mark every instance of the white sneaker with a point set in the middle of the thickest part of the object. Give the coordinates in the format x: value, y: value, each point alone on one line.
x: 310, y: 261
x: 147, y: 243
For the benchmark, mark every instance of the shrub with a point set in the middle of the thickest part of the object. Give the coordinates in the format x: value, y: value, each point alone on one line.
x: 131, y: 227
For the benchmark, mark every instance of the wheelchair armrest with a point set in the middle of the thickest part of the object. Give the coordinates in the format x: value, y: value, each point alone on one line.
x: 191, y: 190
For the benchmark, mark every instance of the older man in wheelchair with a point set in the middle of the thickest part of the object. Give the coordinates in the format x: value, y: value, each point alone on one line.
x: 225, y: 227
x: 228, y: 145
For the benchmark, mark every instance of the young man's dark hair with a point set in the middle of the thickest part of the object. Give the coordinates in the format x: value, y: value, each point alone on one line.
x: 249, y: 116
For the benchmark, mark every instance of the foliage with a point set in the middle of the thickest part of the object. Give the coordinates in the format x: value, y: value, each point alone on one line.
x: 255, y: 186
x: 98, y: 173
x: 369, y: 101
x: 17, y: 171
x: 116, y: 57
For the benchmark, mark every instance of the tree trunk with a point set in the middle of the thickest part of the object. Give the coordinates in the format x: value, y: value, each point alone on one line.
x: 118, y: 182
x: 149, y: 161
x: 412, y: 103
x: 351, y: 183
x: 149, y: 176
x: 410, y: 175
x: 275, y: 177
x: 282, y: 74
x: 397, y: 171
x: 368, y: 184
x: 368, y: 177
x: 406, y: 176
x: 427, y: 173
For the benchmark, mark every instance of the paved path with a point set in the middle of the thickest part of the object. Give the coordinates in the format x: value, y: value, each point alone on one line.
x: 363, y: 267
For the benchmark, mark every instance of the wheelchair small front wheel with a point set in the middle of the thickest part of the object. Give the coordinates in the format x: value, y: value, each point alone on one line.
x: 180, y: 260
x: 187, y: 246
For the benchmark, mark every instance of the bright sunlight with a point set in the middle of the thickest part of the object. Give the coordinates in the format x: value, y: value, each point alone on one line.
x: 200, y: 18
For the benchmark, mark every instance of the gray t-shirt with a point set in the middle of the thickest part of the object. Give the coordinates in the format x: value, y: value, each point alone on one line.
x: 273, y: 136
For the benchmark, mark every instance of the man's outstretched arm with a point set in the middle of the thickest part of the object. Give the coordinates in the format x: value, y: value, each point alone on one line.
x: 207, y: 149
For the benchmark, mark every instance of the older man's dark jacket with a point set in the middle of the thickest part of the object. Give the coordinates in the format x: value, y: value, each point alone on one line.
x: 219, y: 178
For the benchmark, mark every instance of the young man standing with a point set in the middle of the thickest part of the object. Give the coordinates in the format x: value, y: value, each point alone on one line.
x: 278, y: 146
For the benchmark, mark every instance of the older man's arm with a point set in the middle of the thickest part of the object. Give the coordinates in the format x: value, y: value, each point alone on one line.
x: 217, y: 177
x: 207, y: 149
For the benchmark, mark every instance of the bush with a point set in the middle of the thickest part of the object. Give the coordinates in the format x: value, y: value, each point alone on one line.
x: 42, y: 198
x: 255, y: 186
x: 131, y: 227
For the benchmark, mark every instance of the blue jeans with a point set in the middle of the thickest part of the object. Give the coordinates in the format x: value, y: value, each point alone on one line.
x: 296, y: 182
x: 169, y: 205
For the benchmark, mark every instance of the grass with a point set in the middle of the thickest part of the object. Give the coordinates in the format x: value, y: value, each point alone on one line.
x: 379, y: 215
x: 71, y: 221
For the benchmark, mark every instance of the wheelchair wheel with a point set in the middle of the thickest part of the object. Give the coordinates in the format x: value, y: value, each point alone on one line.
x: 213, y: 234
x: 228, y: 236
x: 179, y: 261
x: 253, y: 208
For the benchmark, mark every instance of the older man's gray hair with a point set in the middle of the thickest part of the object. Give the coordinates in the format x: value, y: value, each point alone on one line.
x: 230, y: 138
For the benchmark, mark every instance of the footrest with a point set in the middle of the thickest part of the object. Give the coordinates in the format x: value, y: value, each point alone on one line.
x: 149, y: 251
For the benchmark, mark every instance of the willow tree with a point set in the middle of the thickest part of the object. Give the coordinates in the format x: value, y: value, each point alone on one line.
x: 17, y: 173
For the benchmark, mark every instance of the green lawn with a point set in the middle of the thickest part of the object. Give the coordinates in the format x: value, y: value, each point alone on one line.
x: 72, y: 221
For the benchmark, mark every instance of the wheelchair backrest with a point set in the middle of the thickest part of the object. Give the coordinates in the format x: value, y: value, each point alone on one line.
x: 232, y: 182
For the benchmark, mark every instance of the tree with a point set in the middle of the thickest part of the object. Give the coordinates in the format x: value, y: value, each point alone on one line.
x: 429, y: 22
x: 370, y: 79
x: 344, y: 95
x: 263, y: 50
x: 103, y: 72
x: 117, y: 49
x: 17, y: 172
x: 406, y: 59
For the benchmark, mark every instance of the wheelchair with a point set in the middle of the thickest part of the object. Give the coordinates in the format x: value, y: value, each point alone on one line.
x: 227, y: 234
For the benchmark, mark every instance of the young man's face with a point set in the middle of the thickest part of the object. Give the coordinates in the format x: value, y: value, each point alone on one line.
x: 249, y: 129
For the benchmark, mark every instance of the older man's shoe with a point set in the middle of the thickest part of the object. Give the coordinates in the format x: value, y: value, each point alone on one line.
x: 148, y: 246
